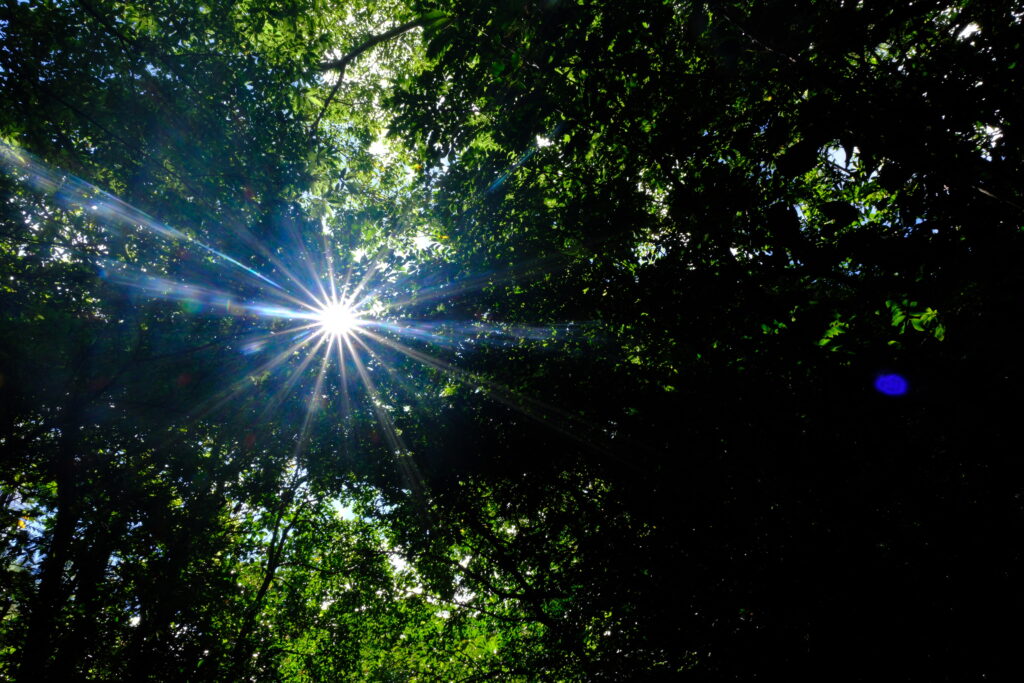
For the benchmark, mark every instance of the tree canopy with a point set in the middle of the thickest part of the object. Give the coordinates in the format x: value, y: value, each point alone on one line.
x: 554, y: 340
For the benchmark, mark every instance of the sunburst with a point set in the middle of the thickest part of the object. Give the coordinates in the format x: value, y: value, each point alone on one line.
x: 337, y: 319
x: 346, y: 323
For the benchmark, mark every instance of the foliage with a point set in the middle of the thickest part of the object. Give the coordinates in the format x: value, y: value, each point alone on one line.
x: 657, y: 254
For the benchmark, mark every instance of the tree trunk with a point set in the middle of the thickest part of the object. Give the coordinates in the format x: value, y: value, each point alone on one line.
x: 44, y: 611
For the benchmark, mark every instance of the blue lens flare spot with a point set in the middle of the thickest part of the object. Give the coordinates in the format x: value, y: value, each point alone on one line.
x: 891, y: 384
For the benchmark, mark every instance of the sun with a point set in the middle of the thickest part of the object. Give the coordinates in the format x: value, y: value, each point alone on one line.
x: 336, y: 319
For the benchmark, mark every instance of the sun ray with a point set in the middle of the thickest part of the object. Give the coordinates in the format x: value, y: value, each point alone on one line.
x: 285, y: 270
x: 525, y: 270
x: 109, y: 211
x: 295, y: 375
x: 331, y: 279
x: 402, y: 382
x: 218, y: 400
x: 315, y: 276
x: 315, y: 400
x: 403, y: 461
x: 164, y: 288
x: 375, y: 266
x: 376, y: 401
x: 546, y: 414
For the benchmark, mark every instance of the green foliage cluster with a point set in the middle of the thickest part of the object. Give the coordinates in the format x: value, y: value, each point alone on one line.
x: 727, y: 217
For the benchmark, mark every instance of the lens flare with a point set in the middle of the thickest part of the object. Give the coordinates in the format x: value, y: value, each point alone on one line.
x: 891, y: 384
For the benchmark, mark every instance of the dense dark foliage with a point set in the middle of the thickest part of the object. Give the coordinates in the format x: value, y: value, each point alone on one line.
x: 715, y: 227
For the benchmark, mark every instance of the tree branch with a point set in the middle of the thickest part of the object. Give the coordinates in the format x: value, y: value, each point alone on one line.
x: 341, y: 64
x: 373, y: 41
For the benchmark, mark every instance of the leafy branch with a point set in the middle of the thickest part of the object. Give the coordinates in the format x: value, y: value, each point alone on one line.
x: 341, y: 64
